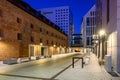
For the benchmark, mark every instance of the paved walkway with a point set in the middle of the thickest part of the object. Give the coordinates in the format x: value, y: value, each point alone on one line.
x: 91, y: 71
x: 53, y: 69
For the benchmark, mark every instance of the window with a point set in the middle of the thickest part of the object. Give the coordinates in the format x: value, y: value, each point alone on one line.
x: 88, y: 21
x: 47, y: 42
x: 19, y: 36
x: 32, y: 39
x: 19, y: 20
x: 1, y: 33
x: 32, y: 26
x: 40, y: 40
x: 52, y: 42
x: 88, y: 41
x: 0, y: 12
x: 47, y: 32
x: 40, y: 29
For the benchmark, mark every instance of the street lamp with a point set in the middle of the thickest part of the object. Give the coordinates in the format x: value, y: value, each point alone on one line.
x: 102, y: 35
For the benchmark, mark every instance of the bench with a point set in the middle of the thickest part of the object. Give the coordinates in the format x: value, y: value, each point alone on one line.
x: 10, y: 61
x: 23, y: 59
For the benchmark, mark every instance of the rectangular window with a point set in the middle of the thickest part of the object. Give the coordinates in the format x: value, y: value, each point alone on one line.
x: 47, y: 32
x: 19, y: 20
x: 1, y: 33
x: 40, y: 29
x: 40, y: 40
x: 47, y: 42
x: 0, y: 12
x: 88, y: 21
x: 32, y: 39
x: 88, y: 41
x: 32, y: 26
x: 19, y: 36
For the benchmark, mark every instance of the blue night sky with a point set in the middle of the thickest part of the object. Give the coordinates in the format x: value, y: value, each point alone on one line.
x: 79, y: 8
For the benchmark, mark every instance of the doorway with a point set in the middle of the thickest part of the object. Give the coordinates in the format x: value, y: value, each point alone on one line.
x: 44, y: 51
x: 31, y: 50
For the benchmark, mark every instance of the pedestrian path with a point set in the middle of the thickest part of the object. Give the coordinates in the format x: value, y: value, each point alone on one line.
x: 59, y: 67
x: 91, y: 71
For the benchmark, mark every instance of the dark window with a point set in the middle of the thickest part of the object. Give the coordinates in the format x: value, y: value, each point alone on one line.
x: 52, y: 42
x: 88, y: 41
x: 47, y: 32
x: 19, y: 20
x: 40, y: 29
x: 19, y: 36
x: 1, y: 33
x: 32, y: 26
x: 0, y: 12
x: 88, y: 21
x: 32, y: 39
x: 40, y: 40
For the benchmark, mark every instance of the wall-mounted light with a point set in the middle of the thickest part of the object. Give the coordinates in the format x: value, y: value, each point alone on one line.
x: 54, y: 45
x: 96, y: 42
x: 102, y: 32
x: 41, y: 44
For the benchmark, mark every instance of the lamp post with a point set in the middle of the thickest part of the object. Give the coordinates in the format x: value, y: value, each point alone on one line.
x: 102, y: 37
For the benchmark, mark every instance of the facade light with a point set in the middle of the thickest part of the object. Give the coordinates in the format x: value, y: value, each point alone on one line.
x: 96, y: 42
x: 54, y: 45
x: 102, y: 32
x: 41, y: 44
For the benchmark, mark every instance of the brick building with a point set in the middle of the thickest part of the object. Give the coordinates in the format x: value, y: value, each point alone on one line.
x: 25, y: 33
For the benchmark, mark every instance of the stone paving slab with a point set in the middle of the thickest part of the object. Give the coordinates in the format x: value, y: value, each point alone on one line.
x: 56, y: 70
x: 91, y: 71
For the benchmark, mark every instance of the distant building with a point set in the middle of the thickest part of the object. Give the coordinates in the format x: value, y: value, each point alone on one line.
x: 61, y: 16
x: 76, y: 43
x: 25, y: 34
x: 88, y: 27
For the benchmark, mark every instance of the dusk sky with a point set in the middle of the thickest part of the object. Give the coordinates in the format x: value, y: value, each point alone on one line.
x: 79, y: 8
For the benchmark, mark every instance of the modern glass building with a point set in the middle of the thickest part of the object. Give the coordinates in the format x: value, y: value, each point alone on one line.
x: 61, y: 16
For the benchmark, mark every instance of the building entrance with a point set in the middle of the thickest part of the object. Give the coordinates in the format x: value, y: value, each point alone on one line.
x: 44, y: 51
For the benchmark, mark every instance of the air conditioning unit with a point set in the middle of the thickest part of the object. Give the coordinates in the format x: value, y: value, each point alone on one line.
x: 108, y: 63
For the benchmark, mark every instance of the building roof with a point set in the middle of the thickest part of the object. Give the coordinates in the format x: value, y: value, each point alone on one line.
x: 27, y: 8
